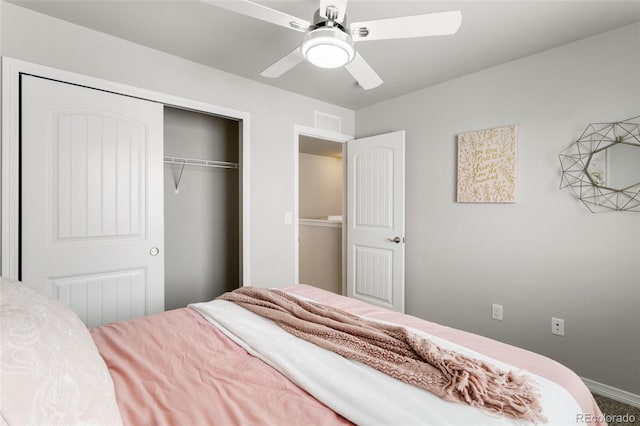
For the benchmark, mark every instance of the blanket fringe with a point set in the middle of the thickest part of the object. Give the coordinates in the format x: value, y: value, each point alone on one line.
x: 481, y: 385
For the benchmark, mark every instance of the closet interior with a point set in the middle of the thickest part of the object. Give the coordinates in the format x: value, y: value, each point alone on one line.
x: 202, y: 206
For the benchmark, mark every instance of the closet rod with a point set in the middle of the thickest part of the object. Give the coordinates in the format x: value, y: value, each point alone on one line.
x: 204, y: 163
x: 196, y: 162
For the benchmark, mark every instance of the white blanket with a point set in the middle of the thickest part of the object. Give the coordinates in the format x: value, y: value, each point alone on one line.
x: 360, y: 393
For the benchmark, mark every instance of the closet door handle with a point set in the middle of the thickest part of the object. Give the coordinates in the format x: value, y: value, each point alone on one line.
x: 395, y: 240
x: 154, y: 251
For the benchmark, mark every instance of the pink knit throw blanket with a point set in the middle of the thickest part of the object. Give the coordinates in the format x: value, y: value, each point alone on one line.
x: 396, y: 351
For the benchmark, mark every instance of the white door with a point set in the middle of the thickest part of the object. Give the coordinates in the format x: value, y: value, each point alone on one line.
x: 92, y: 200
x: 375, y: 220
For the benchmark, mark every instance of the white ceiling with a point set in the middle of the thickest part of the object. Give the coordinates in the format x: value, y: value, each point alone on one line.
x: 492, y: 32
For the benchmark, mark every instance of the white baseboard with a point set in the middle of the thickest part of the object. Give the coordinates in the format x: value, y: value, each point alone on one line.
x: 613, y: 393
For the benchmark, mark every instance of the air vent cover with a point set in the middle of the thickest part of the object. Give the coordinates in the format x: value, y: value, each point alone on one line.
x: 326, y: 121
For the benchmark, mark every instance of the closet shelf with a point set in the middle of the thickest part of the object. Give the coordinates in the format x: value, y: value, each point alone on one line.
x: 197, y: 162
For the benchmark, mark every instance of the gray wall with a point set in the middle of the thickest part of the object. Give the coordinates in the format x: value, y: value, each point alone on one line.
x: 202, y: 227
x: 320, y: 186
x: 546, y: 255
x: 37, y: 38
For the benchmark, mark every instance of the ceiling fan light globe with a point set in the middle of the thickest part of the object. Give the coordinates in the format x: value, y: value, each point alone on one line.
x: 327, y: 56
x: 328, y: 48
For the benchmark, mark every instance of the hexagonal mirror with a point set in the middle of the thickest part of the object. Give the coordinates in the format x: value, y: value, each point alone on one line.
x: 602, y: 168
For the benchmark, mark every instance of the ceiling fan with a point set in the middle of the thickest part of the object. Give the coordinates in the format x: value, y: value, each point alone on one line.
x: 329, y: 41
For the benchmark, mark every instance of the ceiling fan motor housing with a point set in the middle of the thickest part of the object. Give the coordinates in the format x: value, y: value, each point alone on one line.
x: 330, y: 18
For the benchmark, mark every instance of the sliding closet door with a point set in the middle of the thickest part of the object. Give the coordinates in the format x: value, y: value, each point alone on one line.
x: 92, y: 200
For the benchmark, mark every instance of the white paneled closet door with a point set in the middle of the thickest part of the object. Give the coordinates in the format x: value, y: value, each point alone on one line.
x: 92, y: 200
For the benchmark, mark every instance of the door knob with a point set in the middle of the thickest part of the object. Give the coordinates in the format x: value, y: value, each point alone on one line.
x: 154, y: 251
x: 395, y: 240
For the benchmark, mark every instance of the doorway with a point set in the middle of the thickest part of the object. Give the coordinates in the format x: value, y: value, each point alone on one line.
x: 373, y: 203
x: 319, y: 208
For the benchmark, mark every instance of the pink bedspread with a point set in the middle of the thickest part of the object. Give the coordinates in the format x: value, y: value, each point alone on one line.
x: 175, y: 368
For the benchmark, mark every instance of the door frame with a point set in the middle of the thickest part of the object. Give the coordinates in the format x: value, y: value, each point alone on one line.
x: 299, y: 130
x: 11, y: 71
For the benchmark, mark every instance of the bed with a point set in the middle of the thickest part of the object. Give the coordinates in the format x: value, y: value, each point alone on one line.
x: 207, y: 365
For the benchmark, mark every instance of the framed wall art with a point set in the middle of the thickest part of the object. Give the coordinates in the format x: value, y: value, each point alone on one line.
x: 487, y: 166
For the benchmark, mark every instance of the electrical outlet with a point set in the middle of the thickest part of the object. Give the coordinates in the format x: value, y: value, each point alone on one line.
x: 496, y: 312
x: 557, y: 326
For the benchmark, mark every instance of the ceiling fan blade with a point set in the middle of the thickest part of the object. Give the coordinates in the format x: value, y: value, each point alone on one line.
x: 363, y: 73
x: 431, y: 24
x: 284, y: 64
x: 341, y: 5
x: 263, y: 13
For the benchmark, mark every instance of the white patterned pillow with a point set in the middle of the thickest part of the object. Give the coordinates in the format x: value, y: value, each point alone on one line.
x: 50, y: 369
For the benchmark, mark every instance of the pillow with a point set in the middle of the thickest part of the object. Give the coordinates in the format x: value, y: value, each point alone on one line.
x: 50, y: 369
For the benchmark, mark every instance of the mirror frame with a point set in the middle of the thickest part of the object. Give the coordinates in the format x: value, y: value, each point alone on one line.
x: 584, y: 183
